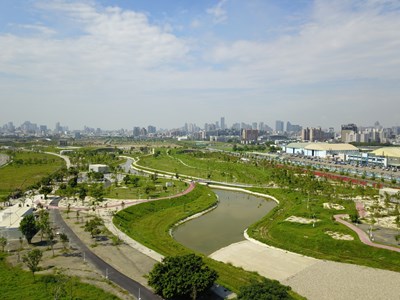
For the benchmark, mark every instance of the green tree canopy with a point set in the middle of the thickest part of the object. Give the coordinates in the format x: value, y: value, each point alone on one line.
x: 265, y: 290
x: 183, y: 277
x: 32, y: 259
x: 28, y: 227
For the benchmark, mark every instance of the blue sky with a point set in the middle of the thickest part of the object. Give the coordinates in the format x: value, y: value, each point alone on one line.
x: 114, y: 64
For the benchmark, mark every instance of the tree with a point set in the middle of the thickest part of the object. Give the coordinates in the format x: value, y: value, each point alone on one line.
x: 97, y: 192
x: 184, y: 276
x: 265, y: 290
x: 45, y: 190
x: 82, y: 193
x: 92, y: 226
x: 73, y: 182
x: 64, y: 240
x: 50, y: 237
x: 3, y: 243
x: 43, y: 222
x: 32, y: 260
x: 28, y: 227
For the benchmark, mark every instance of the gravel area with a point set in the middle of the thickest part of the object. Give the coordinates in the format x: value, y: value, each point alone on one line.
x: 312, y: 278
x: 338, y: 281
x: 267, y: 261
x: 3, y: 159
x: 124, y: 258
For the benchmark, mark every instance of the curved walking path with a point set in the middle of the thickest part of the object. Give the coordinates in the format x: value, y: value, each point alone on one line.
x: 64, y: 157
x: 127, y: 202
x: 362, y: 235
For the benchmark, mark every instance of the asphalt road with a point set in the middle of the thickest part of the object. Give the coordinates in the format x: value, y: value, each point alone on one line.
x: 114, y: 275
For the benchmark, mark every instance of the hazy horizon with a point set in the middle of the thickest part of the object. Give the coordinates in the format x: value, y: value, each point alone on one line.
x: 118, y: 64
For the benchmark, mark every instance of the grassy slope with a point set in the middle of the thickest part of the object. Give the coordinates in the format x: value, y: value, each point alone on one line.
x: 149, y: 223
x: 18, y: 284
x: 221, y: 167
x: 21, y: 176
x: 305, y: 239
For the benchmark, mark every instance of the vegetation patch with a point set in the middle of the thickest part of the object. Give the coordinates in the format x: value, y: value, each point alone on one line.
x: 19, y: 284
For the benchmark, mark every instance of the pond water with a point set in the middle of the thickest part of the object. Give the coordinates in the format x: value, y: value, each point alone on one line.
x: 224, y: 225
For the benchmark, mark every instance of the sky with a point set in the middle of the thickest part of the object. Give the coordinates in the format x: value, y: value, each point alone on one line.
x: 118, y: 63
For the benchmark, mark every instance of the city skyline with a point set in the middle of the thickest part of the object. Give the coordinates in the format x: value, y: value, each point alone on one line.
x: 117, y: 64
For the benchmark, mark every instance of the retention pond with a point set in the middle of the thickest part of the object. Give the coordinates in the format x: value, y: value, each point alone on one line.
x: 224, y: 225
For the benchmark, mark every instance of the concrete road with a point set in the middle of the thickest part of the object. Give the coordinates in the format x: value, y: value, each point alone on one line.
x: 114, y: 275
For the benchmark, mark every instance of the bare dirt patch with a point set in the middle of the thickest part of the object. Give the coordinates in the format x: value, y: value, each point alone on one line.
x: 339, y: 236
x: 328, y: 205
x: 301, y: 220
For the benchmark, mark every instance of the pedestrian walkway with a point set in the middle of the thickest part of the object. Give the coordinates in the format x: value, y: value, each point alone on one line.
x: 363, y: 236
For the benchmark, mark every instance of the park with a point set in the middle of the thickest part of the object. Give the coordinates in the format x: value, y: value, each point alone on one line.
x: 142, y: 205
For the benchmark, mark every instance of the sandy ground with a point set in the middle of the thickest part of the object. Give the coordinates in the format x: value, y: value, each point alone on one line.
x: 337, y: 281
x: 3, y: 159
x: 267, y: 261
x: 124, y: 258
x: 312, y: 278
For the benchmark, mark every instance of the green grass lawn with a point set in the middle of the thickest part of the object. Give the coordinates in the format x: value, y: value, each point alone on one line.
x: 209, y: 165
x: 149, y: 223
x: 27, y: 169
x: 313, y: 241
x: 19, y: 284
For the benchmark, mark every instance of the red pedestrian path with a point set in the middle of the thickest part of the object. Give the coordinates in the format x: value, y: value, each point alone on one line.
x: 129, y: 203
x: 362, y: 235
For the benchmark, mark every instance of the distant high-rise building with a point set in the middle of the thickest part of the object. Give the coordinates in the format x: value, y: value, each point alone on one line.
x: 346, y: 129
x: 279, y: 126
x: 223, y: 126
x: 151, y: 129
x: 143, y: 131
x: 312, y: 134
x: 136, y: 131
x: 292, y: 128
x: 254, y: 125
x: 249, y: 135
x: 57, y: 129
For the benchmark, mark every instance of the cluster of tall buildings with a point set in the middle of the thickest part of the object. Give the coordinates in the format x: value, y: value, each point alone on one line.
x: 350, y: 133
x: 220, y: 131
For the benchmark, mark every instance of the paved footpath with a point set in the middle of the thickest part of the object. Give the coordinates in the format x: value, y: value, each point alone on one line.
x: 363, y: 236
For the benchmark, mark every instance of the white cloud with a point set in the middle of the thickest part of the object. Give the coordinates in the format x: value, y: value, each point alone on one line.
x: 117, y: 58
x: 38, y: 28
x: 108, y: 38
x: 218, y: 12
x: 335, y: 44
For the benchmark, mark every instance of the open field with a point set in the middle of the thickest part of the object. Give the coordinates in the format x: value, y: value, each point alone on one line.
x: 26, y: 169
x: 149, y: 224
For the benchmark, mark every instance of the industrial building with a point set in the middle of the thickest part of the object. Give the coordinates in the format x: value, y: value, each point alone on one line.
x: 392, y: 154
x: 322, y: 150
